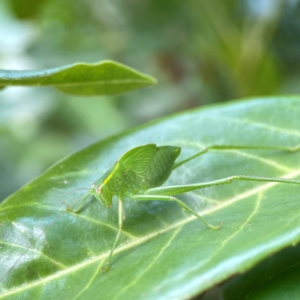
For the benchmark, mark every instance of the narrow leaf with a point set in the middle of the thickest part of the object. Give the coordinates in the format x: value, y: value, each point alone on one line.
x: 103, y: 78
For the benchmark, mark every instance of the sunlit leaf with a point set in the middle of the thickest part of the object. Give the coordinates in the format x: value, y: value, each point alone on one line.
x: 165, y: 253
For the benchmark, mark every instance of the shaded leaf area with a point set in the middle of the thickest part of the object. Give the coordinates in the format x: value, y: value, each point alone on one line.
x: 282, y: 286
x: 164, y: 253
x: 103, y: 78
x: 257, y: 281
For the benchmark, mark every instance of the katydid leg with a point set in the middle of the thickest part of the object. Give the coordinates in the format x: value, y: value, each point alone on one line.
x: 173, y: 199
x: 120, y: 225
x: 82, y: 200
x: 235, y: 147
x: 180, y: 189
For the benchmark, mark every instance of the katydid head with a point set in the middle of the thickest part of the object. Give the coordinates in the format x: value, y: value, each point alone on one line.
x: 102, y: 193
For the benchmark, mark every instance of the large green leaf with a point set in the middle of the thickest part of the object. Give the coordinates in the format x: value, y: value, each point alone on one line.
x: 103, y: 78
x: 165, y: 253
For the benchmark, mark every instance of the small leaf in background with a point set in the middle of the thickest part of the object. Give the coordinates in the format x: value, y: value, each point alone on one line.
x: 26, y: 9
x: 104, y: 78
x: 164, y: 252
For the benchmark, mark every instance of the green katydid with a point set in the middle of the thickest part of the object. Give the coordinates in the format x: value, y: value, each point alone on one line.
x: 140, y: 172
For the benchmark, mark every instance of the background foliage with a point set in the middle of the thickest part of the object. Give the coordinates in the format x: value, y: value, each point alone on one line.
x: 200, y: 51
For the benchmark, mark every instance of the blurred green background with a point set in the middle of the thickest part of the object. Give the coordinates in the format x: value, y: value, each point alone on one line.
x: 201, y: 52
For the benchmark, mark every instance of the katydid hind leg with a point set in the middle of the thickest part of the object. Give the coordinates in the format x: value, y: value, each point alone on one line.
x: 173, y: 199
x: 180, y: 189
x: 236, y: 147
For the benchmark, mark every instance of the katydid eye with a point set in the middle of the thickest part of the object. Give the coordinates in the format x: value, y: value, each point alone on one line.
x: 98, y: 190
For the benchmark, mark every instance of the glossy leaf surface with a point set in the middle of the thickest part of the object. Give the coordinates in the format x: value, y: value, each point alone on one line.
x: 165, y: 253
x: 103, y: 78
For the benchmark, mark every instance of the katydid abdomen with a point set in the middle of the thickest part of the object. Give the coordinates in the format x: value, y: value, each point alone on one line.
x: 161, y: 166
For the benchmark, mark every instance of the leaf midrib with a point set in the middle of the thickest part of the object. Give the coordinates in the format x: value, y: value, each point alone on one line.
x: 81, y: 83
